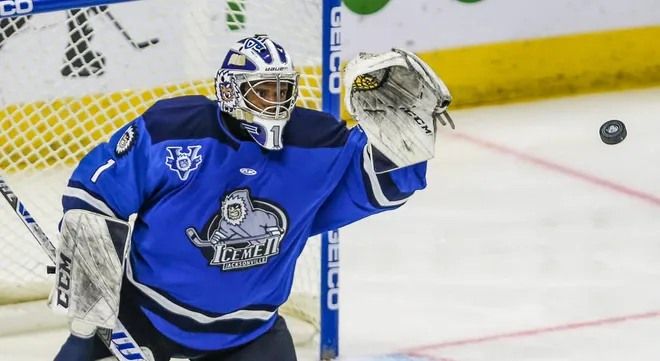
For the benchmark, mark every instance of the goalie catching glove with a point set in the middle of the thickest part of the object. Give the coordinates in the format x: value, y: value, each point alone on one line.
x: 397, y: 99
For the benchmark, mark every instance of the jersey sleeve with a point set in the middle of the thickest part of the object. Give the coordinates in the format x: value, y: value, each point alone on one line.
x: 112, y: 179
x: 362, y: 191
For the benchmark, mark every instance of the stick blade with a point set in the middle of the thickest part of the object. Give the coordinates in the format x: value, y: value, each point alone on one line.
x: 144, y: 44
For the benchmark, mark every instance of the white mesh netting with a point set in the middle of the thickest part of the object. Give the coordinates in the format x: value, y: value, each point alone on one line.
x: 70, y: 78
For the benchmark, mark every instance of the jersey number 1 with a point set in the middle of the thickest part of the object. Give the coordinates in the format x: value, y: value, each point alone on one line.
x: 102, y: 169
x: 276, y: 135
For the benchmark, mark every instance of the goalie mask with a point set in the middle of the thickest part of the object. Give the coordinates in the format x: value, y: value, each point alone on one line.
x: 257, y: 85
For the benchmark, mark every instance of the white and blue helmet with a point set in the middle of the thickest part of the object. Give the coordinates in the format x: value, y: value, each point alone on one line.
x: 249, y: 63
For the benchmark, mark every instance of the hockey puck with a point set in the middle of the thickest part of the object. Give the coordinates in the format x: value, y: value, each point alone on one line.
x: 613, y: 132
x: 50, y: 270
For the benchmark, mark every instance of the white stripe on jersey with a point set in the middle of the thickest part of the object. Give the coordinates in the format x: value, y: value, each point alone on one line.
x: 89, y: 199
x: 196, y: 316
x: 368, y: 166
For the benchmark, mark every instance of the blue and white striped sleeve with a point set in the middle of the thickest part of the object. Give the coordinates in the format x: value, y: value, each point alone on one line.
x: 111, y: 179
x: 362, y: 191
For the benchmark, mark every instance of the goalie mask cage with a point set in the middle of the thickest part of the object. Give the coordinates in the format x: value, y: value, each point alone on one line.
x: 71, y: 76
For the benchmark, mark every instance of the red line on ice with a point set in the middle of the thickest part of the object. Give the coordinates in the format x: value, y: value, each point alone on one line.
x: 532, y: 332
x: 650, y: 198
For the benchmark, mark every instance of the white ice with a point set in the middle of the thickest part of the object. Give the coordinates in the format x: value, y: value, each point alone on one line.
x: 533, y: 241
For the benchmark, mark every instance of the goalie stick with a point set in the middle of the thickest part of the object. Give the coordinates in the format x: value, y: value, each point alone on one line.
x: 119, y: 341
x: 137, y: 45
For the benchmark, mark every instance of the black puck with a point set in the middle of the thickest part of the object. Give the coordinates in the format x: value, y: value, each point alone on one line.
x: 613, y: 132
x: 50, y: 270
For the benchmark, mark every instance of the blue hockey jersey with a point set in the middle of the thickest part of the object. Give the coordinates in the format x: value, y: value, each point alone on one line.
x: 221, y: 221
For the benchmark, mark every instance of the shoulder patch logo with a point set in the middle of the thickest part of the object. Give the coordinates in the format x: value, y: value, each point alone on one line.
x: 245, y: 232
x: 183, y: 162
x: 127, y: 141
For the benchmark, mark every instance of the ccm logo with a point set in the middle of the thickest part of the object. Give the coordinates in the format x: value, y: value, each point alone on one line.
x: 15, y: 7
x: 64, y: 281
x: 422, y: 124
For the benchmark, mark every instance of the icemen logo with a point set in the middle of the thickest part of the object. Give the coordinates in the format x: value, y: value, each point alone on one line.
x: 127, y: 140
x: 183, y: 162
x: 244, y: 233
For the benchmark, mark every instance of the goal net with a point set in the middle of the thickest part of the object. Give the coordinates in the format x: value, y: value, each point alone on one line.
x: 70, y: 78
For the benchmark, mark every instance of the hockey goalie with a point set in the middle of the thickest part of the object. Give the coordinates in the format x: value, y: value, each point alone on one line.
x: 224, y: 194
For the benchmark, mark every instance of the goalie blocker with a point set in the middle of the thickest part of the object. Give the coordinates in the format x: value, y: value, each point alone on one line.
x: 89, y: 268
x: 397, y: 99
